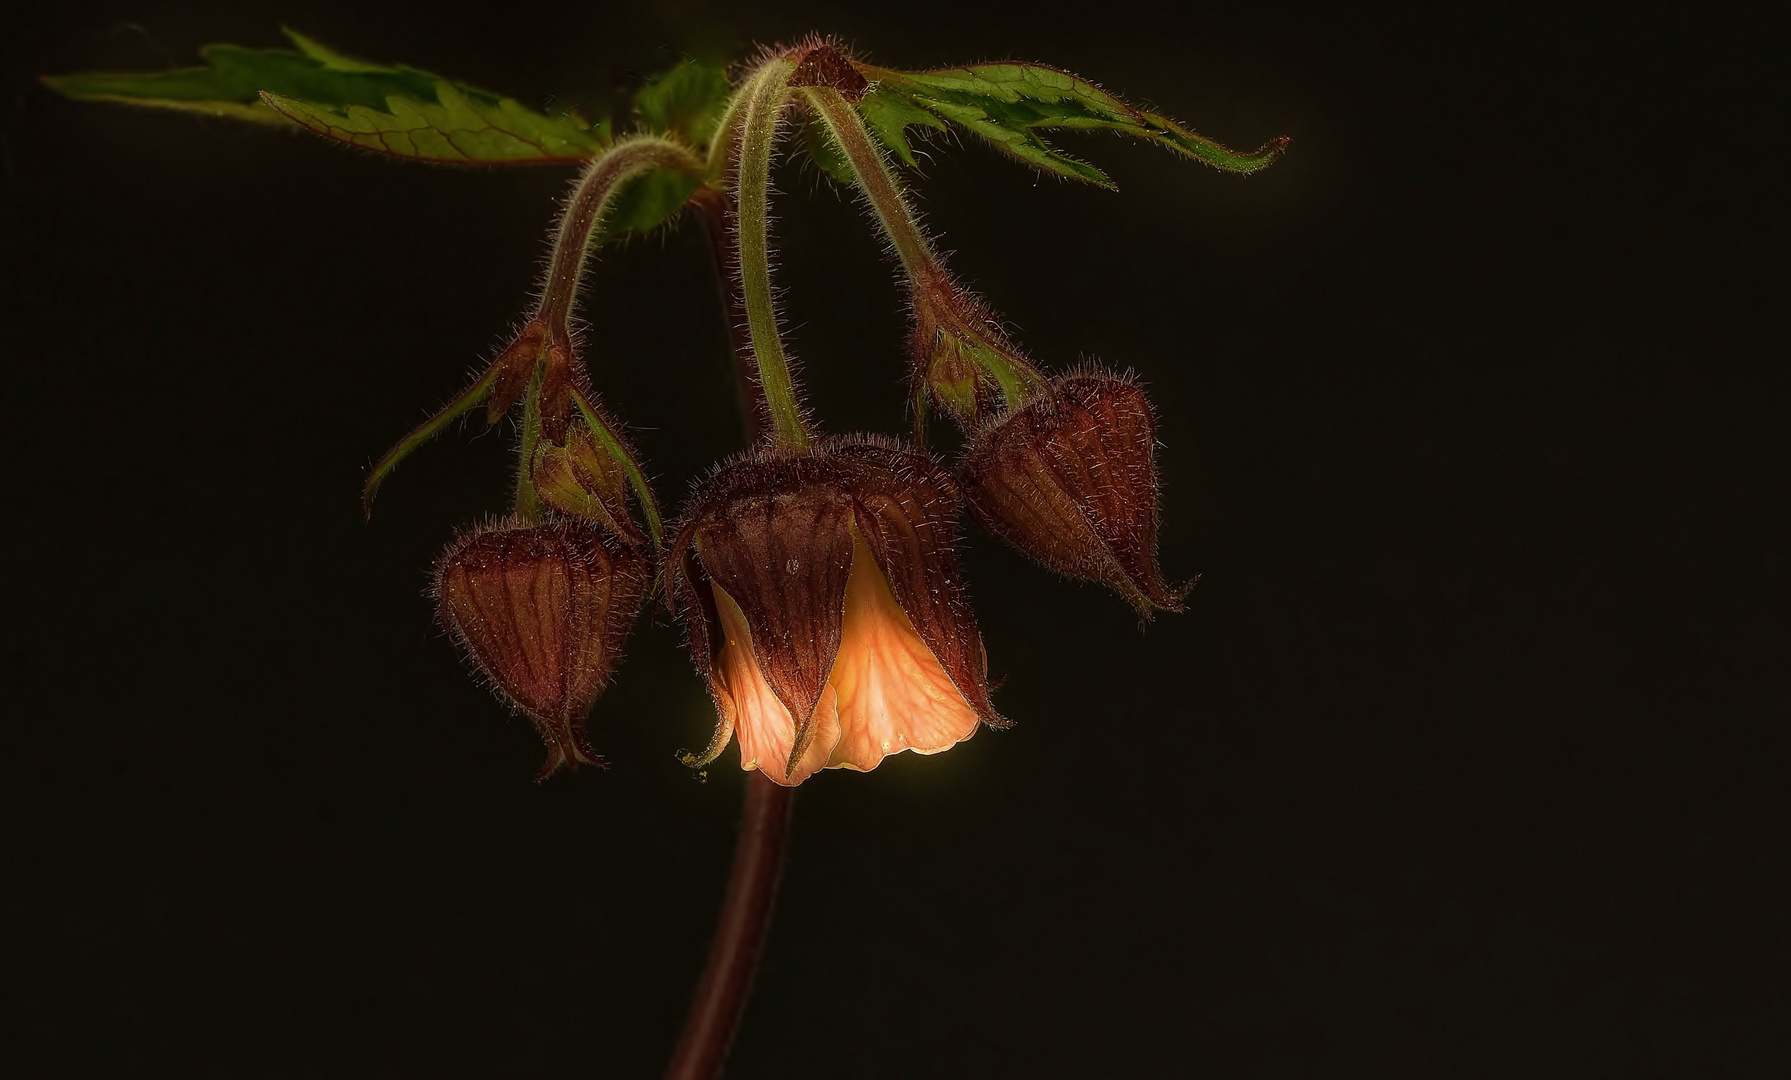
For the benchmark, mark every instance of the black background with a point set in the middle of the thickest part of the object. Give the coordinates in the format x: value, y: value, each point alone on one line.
x: 1468, y: 759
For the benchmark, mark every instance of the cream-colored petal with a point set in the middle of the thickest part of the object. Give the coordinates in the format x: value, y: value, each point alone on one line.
x: 890, y: 692
x: 752, y: 709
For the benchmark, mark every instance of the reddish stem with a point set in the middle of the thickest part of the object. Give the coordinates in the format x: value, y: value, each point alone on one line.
x: 745, y: 915
x: 716, y: 211
x: 758, y: 851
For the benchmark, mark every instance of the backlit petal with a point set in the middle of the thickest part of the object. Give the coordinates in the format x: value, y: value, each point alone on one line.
x: 748, y: 705
x: 890, y: 691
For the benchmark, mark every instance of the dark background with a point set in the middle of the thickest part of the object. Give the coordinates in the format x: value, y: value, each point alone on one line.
x: 1468, y: 758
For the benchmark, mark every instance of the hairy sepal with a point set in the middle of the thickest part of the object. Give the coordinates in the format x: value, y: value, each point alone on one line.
x: 774, y: 530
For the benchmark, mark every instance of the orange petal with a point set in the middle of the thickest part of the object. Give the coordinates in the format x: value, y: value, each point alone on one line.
x: 750, y: 707
x: 890, y: 692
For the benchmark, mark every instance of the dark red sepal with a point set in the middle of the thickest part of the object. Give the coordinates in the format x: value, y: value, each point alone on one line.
x: 1070, y: 478
x: 543, y: 611
x: 774, y: 530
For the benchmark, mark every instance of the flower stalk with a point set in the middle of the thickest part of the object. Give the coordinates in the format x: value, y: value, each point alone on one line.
x: 601, y: 181
x: 766, y: 94
x: 739, y: 933
x: 540, y: 367
x: 957, y: 342
x: 543, y: 358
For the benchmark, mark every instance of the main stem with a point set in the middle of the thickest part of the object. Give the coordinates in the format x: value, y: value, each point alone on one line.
x: 726, y: 982
x: 745, y: 915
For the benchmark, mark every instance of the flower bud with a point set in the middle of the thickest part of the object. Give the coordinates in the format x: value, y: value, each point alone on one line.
x: 582, y: 480
x: 822, y: 596
x: 543, y: 610
x: 960, y: 361
x: 1070, y: 478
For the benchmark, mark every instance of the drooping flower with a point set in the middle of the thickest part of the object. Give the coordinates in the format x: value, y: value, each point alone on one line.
x: 822, y: 596
x: 1070, y: 478
x: 543, y: 611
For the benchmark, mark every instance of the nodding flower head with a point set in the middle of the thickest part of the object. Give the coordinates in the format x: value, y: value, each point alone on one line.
x: 1070, y: 478
x: 543, y: 611
x: 822, y: 595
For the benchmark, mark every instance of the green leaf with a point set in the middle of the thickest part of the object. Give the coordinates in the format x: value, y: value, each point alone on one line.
x: 646, y: 202
x: 889, y: 115
x: 1010, y: 105
x: 686, y: 101
x: 392, y: 110
x: 826, y: 154
x: 453, y: 127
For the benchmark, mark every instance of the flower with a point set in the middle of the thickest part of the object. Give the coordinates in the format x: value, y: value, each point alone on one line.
x: 1070, y: 478
x: 543, y: 610
x: 824, y: 606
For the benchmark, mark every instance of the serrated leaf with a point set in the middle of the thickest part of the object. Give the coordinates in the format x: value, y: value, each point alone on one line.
x: 686, y: 101
x: 393, y: 110
x: 328, y: 57
x: 454, y: 127
x: 1011, y: 104
x: 889, y: 115
x: 1017, y: 134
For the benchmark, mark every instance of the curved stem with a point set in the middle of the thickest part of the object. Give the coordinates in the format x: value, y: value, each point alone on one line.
x: 937, y: 298
x: 745, y: 914
x: 769, y: 91
x: 601, y: 180
x: 716, y: 211
x: 877, y: 181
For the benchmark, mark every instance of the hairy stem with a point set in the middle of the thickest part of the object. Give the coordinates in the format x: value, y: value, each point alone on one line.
x: 768, y: 92
x: 528, y: 503
x: 932, y: 286
x: 745, y: 914
x: 716, y: 211
x: 726, y: 982
x: 584, y: 211
x: 877, y: 181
